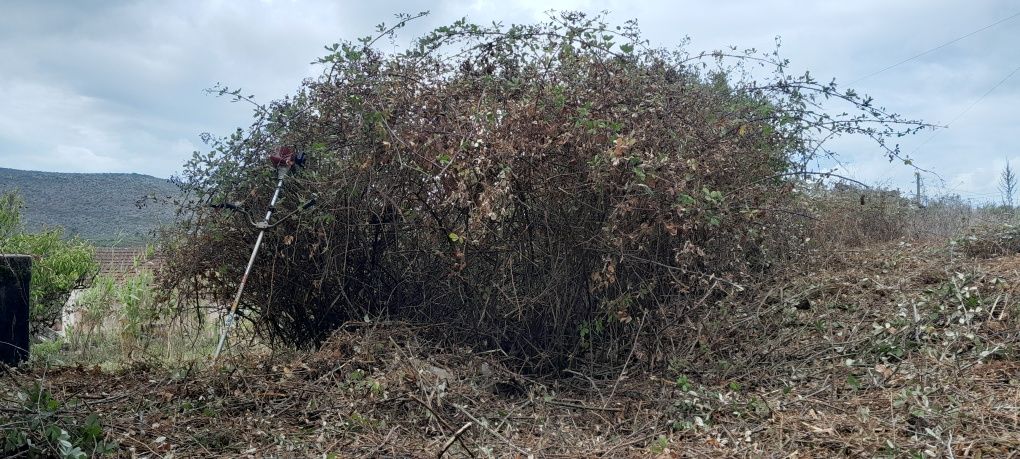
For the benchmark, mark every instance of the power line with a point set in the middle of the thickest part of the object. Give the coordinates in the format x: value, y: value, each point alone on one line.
x: 904, y: 61
x: 993, y: 88
x: 969, y: 107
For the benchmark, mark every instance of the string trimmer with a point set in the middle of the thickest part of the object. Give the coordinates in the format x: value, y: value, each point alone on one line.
x: 284, y: 160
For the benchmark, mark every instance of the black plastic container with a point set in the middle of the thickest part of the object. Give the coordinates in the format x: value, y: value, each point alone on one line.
x: 15, y: 277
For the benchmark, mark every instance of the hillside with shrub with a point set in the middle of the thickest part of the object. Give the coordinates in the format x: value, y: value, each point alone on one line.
x: 100, y: 208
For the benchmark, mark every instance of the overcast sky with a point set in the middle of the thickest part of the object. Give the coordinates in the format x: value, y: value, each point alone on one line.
x: 117, y: 86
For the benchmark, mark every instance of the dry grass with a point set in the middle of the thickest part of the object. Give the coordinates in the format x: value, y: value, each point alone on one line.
x: 844, y: 216
x: 991, y: 241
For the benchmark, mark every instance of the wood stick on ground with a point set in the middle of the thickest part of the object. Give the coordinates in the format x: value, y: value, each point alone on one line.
x: 493, y: 432
x: 454, y: 438
x: 381, y: 444
x: 582, y: 406
x: 442, y: 422
x: 623, y: 372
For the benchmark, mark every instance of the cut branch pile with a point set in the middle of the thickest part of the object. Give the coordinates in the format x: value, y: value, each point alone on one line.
x: 896, y: 350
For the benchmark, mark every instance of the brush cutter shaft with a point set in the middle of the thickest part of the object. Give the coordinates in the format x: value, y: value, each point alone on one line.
x: 228, y: 322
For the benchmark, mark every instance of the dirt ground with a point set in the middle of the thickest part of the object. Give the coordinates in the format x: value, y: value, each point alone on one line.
x: 893, y: 351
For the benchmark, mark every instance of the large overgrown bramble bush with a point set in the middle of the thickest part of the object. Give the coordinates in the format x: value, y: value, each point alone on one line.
x: 547, y: 189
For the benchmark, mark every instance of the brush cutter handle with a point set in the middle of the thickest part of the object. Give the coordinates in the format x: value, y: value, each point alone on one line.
x: 236, y: 207
x: 264, y: 225
x: 226, y: 205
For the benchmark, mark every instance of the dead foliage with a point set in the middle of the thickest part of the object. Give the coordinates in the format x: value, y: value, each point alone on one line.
x: 990, y: 241
x: 853, y: 216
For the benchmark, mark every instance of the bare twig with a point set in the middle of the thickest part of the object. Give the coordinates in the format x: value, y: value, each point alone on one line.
x: 379, y: 447
x: 454, y: 438
x: 623, y: 372
x: 493, y: 432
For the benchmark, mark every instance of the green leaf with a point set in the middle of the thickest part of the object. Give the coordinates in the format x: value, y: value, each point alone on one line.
x: 627, y: 48
x: 92, y: 429
x: 640, y: 174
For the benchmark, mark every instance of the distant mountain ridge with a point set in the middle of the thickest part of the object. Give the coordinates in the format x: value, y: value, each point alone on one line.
x: 98, y: 207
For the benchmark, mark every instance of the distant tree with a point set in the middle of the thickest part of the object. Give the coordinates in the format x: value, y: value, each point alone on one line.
x: 59, y: 265
x: 1008, y: 185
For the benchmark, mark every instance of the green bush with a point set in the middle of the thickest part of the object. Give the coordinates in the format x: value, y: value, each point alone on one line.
x: 117, y: 317
x: 59, y: 265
